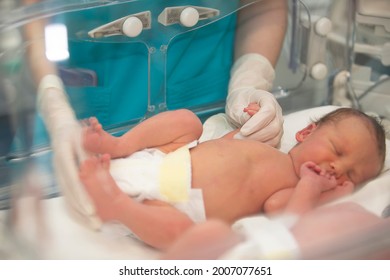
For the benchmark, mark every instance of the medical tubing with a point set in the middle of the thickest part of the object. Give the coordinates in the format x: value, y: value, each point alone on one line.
x: 293, y: 65
x: 372, y: 87
x: 305, y: 68
x: 350, y: 43
x: 293, y: 62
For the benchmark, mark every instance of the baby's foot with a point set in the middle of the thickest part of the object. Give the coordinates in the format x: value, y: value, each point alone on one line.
x: 105, y: 161
x: 95, y: 139
x: 100, y: 186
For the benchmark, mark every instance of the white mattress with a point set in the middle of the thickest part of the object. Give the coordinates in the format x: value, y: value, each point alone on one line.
x: 61, y: 236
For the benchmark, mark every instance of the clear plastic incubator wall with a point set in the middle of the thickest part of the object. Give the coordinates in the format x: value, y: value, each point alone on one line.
x: 124, y: 61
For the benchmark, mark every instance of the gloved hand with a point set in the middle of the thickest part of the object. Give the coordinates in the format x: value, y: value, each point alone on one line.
x: 251, y: 78
x: 65, y: 135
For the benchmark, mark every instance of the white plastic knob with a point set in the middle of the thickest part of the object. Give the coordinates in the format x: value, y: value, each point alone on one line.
x: 189, y: 17
x: 323, y: 26
x: 132, y: 27
x: 319, y: 71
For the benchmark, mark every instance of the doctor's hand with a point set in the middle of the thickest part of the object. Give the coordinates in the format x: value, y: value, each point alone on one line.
x: 265, y: 125
x: 251, y: 78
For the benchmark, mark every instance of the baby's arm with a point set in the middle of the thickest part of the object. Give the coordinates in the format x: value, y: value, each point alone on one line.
x: 277, y: 201
x: 252, y: 108
x: 166, y: 131
x: 313, y: 182
x: 156, y: 223
x: 314, y: 188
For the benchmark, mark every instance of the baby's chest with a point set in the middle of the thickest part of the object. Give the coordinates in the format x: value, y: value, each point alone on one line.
x: 269, y: 176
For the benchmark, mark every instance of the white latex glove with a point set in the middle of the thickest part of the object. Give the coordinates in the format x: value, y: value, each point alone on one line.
x: 65, y: 135
x: 251, y: 78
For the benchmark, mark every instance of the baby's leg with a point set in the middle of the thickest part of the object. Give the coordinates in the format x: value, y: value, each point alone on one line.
x: 98, y: 141
x: 101, y: 187
x: 166, y: 131
x: 144, y: 219
x: 208, y: 240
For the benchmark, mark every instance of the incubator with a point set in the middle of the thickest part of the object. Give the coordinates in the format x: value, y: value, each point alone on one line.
x: 124, y: 61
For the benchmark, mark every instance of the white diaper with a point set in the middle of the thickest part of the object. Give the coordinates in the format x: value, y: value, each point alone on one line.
x: 264, y: 239
x: 148, y: 174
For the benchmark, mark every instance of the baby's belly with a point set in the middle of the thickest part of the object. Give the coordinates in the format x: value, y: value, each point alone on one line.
x: 215, y: 166
x: 237, y: 176
x: 227, y: 160
x: 227, y: 178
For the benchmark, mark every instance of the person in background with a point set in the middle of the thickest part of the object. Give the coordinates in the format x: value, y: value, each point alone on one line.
x: 259, y: 38
x: 236, y: 56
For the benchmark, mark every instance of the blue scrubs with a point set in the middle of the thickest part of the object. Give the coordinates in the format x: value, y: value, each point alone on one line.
x: 197, y: 63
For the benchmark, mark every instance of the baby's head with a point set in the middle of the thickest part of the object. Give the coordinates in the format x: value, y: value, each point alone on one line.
x: 372, y: 123
x: 346, y: 143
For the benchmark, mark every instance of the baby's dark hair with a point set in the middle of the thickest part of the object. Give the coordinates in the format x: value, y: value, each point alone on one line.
x: 373, y: 123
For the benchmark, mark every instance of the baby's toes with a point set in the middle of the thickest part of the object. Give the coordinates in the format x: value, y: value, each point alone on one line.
x: 95, y: 125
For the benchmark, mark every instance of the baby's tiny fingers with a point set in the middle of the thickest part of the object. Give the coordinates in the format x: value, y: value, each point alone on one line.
x: 318, y: 169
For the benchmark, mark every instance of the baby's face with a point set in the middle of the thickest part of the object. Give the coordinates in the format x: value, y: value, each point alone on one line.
x: 345, y: 149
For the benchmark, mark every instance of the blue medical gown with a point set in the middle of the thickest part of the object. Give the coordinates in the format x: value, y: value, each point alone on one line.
x: 197, y: 68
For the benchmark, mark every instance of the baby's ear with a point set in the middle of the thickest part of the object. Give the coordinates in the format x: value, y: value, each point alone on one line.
x: 301, y: 135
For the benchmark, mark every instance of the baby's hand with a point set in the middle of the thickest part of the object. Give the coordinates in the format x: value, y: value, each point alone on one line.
x: 317, y: 176
x: 252, y: 108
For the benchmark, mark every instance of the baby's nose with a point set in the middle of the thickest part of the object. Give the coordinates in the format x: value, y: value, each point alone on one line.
x: 337, y: 170
x: 332, y: 168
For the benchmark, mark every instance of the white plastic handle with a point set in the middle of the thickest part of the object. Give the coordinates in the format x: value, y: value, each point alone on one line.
x: 189, y: 17
x: 132, y: 27
x: 323, y: 26
x: 319, y: 71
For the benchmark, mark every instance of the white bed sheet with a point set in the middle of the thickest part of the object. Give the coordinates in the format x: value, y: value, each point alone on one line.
x: 61, y: 236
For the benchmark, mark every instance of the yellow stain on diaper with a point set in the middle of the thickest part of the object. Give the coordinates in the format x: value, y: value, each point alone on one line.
x: 175, y: 177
